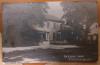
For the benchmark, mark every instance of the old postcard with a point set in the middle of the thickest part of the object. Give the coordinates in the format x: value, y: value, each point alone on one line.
x: 50, y: 32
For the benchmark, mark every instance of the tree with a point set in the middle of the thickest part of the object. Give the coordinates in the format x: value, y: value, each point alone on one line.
x: 22, y: 17
x: 78, y: 16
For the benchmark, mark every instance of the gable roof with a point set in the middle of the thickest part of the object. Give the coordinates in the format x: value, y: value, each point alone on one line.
x: 53, y: 19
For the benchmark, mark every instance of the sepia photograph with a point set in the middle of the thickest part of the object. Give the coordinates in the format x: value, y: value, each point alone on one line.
x: 50, y: 32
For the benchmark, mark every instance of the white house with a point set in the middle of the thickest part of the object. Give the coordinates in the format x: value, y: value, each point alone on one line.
x: 51, y: 24
x: 93, y: 31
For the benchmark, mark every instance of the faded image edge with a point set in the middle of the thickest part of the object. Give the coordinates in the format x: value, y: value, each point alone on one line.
x: 50, y: 32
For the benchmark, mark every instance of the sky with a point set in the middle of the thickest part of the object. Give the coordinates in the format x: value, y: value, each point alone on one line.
x: 55, y: 9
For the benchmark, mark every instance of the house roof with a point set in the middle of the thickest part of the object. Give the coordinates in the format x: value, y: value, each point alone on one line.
x: 53, y: 19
